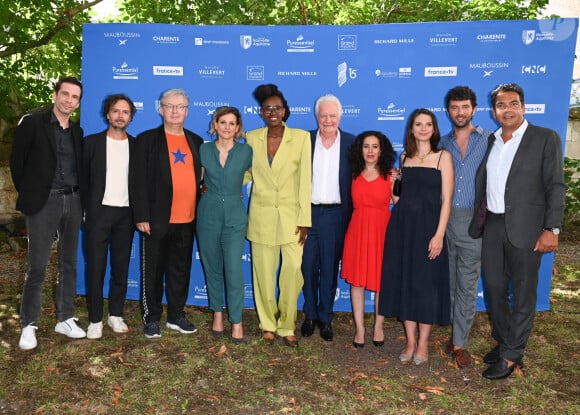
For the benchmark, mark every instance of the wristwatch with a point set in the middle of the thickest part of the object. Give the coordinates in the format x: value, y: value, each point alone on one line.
x: 555, y: 231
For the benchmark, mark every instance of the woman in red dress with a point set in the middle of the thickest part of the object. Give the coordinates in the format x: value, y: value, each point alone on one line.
x: 371, y: 158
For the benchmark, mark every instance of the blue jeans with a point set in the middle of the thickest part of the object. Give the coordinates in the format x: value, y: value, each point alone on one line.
x: 60, y: 216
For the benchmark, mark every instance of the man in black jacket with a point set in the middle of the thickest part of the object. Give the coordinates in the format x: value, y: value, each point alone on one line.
x: 108, y: 218
x: 164, y: 187
x: 45, y: 165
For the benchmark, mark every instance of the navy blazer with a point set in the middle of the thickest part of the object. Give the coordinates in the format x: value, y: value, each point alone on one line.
x: 150, y: 183
x: 535, y: 192
x: 344, y: 173
x: 33, y: 158
x: 94, y: 175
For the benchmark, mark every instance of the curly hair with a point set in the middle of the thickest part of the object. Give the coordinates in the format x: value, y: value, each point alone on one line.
x: 112, y: 99
x: 263, y: 92
x: 410, y: 143
x: 220, y: 112
x: 386, y: 158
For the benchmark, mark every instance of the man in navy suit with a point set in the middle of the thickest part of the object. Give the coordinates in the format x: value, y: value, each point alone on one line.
x: 108, y: 218
x: 46, y: 168
x: 521, y: 185
x: 331, y: 211
x: 164, y: 180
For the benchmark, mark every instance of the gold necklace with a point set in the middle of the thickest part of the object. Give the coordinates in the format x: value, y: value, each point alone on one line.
x: 422, y: 159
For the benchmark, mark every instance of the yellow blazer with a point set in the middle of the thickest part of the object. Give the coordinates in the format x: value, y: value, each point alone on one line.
x: 280, y: 198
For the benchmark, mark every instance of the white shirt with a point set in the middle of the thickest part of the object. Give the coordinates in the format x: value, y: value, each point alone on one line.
x: 325, y: 163
x: 498, y: 167
x: 117, y: 178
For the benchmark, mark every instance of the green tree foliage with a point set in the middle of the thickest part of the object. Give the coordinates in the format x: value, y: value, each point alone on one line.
x: 42, y: 39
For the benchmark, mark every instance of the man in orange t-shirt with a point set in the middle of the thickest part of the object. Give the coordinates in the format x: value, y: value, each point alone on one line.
x: 165, y: 175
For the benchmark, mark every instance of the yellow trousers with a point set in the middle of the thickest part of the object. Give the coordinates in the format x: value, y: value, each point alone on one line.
x: 277, y: 316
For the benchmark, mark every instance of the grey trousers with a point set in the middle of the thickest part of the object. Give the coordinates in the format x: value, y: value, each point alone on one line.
x: 464, y: 271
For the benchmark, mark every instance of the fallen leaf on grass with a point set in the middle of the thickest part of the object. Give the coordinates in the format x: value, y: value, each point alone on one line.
x: 357, y: 376
x: 443, y: 380
x: 377, y: 387
x: 422, y: 396
x: 116, y: 394
x: 519, y: 372
x: 360, y: 397
x: 453, y: 363
x: 436, y: 390
x: 51, y: 369
x: 273, y: 361
x: 222, y: 351
x: 118, y: 352
x: 292, y: 401
x: 213, y: 397
x: 120, y: 358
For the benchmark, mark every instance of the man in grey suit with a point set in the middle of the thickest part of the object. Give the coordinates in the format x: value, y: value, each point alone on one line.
x: 520, y: 195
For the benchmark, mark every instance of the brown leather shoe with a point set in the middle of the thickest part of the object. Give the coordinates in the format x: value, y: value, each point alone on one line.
x: 462, y: 358
x: 268, y: 337
x: 291, y: 341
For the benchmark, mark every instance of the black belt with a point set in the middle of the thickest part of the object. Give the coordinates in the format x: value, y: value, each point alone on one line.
x: 327, y: 205
x: 65, y: 190
x: 498, y: 215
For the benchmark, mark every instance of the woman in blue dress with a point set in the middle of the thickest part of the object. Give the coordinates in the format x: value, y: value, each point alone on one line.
x: 415, y: 277
x: 222, y: 219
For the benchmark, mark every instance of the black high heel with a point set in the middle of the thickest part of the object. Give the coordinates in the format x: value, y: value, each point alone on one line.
x: 358, y: 345
x: 378, y: 343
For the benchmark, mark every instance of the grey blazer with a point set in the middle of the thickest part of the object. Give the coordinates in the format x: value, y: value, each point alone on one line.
x: 535, y: 191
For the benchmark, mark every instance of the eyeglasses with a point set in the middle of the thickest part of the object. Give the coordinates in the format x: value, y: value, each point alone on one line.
x: 270, y: 109
x: 171, y: 107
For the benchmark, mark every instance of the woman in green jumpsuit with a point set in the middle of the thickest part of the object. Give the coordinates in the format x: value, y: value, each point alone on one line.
x: 222, y: 219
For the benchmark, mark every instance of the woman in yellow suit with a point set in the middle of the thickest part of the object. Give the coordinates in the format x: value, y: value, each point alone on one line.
x: 279, y: 214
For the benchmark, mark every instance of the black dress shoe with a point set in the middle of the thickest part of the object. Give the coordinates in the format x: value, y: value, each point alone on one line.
x: 307, y: 328
x: 499, y: 370
x: 326, y: 331
x: 492, y: 356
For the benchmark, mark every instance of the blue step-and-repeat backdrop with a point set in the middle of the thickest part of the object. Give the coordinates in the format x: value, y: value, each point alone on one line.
x: 381, y: 73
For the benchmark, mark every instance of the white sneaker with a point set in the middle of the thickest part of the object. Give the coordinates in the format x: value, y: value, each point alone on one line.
x: 95, y: 331
x: 117, y: 324
x: 70, y: 329
x: 28, y: 338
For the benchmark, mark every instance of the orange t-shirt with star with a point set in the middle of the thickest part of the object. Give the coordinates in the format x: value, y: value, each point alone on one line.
x: 183, y: 178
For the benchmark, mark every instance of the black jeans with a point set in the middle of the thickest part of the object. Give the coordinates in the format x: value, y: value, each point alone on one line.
x: 60, y: 216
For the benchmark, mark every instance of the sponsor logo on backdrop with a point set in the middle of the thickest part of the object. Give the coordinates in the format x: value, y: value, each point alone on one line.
x: 443, y: 39
x: 211, y: 72
x: 254, y: 73
x: 248, y: 291
x: 122, y: 42
x: 436, y: 109
x: 247, y: 257
x: 391, y: 113
x: 491, y: 37
x: 168, y: 70
x: 199, y: 41
x: 531, y: 36
x: 405, y: 72
x: 534, y: 69
x: 251, y: 109
x: 297, y: 73
x: 435, y: 71
x: 125, y: 72
x: 487, y: 68
x: 122, y: 35
x: 394, y: 41
x: 345, y: 73
x: 347, y: 42
x: 139, y: 106
x: 247, y: 41
x: 208, y: 104
x: 300, y: 45
x: 298, y: 110
x: 379, y: 73
x: 350, y: 111
x: 171, y: 40
x: 535, y: 108
x: 200, y: 293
